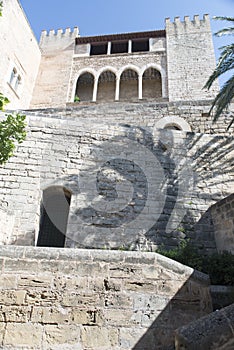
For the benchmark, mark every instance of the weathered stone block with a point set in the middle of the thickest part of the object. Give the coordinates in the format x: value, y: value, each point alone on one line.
x: 12, y: 297
x: 23, y: 335
x: 62, y: 335
x: 99, y: 338
x: 51, y: 315
x: 18, y: 314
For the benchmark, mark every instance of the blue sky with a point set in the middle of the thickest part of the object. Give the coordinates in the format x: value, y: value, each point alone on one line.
x: 107, y: 17
x: 102, y: 17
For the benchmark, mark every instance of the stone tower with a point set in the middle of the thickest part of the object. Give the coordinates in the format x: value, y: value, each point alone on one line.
x: 121, y: 155
x: 105, y: 110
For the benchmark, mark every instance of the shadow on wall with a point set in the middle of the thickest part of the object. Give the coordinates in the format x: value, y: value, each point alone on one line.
x: 187, y: 305
x: 219, y: 219
x: 97, y: 299
x: 142, y: 189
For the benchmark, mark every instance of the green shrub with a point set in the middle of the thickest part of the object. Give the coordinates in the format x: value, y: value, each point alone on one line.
x: 220, y: 267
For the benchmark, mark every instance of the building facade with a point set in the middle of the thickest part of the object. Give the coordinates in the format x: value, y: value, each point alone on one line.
x: 120, y: 150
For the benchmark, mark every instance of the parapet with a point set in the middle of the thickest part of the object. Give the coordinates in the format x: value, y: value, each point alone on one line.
x: 58, y: 39
x: 187, y: 24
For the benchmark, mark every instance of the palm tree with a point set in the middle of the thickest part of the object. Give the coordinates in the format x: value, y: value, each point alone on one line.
x: 225, y: 64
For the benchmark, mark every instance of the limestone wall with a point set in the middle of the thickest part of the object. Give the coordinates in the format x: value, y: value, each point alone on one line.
x: 148, y: 114
x: 215, y: 332
x: 131, y: 185
x: 96, y: 300
x: 190, y: 58
x: 19, y: 51
x: 51, y: 87
x: 223, y: 219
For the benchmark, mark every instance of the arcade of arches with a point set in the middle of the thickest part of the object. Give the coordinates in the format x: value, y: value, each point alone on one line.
x: 128, y: 86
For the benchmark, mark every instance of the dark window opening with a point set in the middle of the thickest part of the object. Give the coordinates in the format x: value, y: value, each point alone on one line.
x: 172, y: 127
x: 54, y: 215
x: 119, y: 47
x: 140, y: 45
x: 98, y: 49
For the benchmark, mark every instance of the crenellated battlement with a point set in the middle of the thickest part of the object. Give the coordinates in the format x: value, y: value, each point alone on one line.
x: 187, y: 23
x: 61, y: 32
x: 190, y: 57
x: 58, y: 39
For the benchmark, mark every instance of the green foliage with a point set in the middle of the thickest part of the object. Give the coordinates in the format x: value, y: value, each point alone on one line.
x: 225, y: 64
x: 12, y: 130
x: 185, y: 253
x: 3, y: 102
x: 76, y: 99
x: 220, y: 267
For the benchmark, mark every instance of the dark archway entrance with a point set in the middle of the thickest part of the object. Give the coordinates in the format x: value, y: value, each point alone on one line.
x: 54, y: 215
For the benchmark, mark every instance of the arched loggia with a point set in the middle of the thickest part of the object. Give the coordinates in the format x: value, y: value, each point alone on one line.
x: 84, y: 87
x: 106, y: 86
x: 129, y: 85
x: 151, y: 83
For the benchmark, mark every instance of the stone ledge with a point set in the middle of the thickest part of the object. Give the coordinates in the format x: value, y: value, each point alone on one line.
x: 97, y: 255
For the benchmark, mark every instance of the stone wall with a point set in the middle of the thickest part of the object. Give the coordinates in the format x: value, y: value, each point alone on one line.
x: 147, y: 114
x: 223, y: 219
x: 215, y: 332
x: 190, y: 58
x: 96, y: 300
x: 51, y: 86
x: 19, y: 51
x: 131, y: 185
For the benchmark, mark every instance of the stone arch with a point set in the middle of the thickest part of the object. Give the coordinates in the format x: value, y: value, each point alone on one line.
x: 174, y: 123
x: 151, y: 83
x: 106, y: 85
x: 129, y: 84
x: 55, y: 207
x: 162, y: 71
x: 85, y: 85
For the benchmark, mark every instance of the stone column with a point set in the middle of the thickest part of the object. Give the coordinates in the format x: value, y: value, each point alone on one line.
x: 129, y: 46
x: 140, y: 87
x: 109, y: 48
x: 95, y: 87
x: 117, y: 88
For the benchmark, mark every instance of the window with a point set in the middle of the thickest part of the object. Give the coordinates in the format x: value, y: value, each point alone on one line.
x: 17, y: 82
x: 140, y: 45
x: 119, y: 47
x: 15, y: 79
x: 13, y: 76
x: 98, y: 49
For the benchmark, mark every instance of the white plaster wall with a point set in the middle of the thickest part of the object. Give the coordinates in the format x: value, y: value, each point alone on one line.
x: 19, y: 49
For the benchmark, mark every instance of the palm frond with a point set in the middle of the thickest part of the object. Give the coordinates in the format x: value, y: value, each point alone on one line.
x: 224, y: 18
x: 223, y: 99
x: 225, y: 31
x: 225, y: 64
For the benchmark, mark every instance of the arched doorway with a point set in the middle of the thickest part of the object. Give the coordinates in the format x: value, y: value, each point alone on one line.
x: 151, y: 83
x: 129, y: 85
x: 84, y: 87
x: 106, y: 86
x: 54, y: 215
